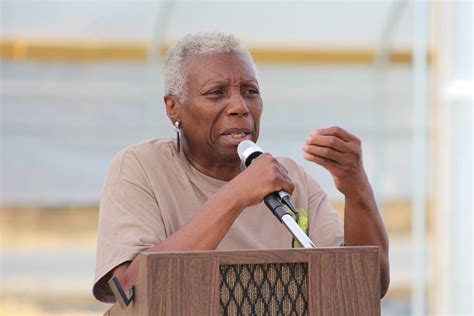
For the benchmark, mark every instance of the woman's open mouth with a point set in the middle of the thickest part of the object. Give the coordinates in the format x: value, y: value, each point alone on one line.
x: 236, y: 136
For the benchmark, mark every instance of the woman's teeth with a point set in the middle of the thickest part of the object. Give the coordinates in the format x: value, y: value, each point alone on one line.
x: 238, y: 135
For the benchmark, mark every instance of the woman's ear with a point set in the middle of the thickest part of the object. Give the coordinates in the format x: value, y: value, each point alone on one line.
x: 172, y: 108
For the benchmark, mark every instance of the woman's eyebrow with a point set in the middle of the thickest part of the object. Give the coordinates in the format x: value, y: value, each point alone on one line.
x: 247, y: 81
x: 250, y: 82
x: 213, y: 81
x: 226, y: 81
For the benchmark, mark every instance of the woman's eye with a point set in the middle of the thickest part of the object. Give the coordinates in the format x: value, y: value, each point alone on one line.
x: 251, y: 91
x: 215, y: 92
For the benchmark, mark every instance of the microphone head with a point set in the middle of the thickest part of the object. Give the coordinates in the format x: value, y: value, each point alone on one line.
x: 248, y: 149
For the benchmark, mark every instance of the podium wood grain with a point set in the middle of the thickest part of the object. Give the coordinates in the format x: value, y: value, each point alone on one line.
x: 341, y: 281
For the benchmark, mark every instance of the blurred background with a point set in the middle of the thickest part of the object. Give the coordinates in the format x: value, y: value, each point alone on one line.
x: 80, y: 80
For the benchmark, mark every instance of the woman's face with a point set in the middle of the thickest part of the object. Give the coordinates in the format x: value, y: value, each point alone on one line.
x: 223, y: 106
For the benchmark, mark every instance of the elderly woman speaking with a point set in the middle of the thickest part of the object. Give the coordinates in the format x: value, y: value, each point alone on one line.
x: 193, y: 193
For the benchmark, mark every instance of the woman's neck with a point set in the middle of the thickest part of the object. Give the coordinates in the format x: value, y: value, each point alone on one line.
x: 224, y: 170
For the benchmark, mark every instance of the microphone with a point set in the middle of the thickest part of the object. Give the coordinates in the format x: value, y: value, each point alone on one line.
x: 278, y: 202
x: 248, y: 151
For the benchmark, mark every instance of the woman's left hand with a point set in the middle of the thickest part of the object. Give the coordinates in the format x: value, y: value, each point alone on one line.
x: 340, y: 153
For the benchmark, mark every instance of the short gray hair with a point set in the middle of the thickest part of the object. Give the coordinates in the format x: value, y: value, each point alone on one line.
x: 174, y: 61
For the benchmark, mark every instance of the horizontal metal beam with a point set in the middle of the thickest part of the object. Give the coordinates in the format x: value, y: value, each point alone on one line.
x: 58, y: 51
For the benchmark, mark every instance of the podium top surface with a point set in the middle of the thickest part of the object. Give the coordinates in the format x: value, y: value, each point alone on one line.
x: 262, y: 256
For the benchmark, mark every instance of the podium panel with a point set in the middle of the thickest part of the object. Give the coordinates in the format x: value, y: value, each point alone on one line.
x: 321, y: 281
x: 280, y: 289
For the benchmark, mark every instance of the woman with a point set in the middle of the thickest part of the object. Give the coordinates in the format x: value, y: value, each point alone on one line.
x: 193, y: 193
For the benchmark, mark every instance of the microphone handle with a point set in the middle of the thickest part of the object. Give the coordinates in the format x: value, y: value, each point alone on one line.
x: 284, y: 196
x: 297, y: 232
x: 273, y: 202
x: 280, y: 203
x: 281, y: 211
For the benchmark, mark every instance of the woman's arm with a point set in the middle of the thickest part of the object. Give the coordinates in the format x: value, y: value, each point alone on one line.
x: 341, y: 154
x: 209, y: 225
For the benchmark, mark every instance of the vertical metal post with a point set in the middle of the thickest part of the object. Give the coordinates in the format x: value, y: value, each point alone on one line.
x: 453, y: 177
x: 419, y: 156
x: 153, y: 92
x: 381, y: 65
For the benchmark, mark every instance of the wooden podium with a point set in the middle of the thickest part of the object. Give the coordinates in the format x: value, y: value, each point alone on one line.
x: 321, y: 281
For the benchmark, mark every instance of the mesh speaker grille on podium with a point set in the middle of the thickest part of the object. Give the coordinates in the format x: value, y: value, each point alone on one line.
x: 264, y: 289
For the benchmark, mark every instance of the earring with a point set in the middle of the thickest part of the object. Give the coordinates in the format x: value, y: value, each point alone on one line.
x: 177, y: 126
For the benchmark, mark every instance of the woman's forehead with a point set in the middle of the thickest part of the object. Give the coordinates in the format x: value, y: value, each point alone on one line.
x: 205, y: 67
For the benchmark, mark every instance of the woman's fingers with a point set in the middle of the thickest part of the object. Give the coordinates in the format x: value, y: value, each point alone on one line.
x: 328, y: 164
x: 264, y: 176
x: 335, y: 144
x: 338, y: 132
x: 325, y: 153
x: 330, y: 141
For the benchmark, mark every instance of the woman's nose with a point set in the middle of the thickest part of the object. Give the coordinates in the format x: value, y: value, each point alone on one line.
x: 237, y: 105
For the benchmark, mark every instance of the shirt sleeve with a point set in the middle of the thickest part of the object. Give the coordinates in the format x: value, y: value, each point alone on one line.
x: 326, y: 228
x: 129, y: 222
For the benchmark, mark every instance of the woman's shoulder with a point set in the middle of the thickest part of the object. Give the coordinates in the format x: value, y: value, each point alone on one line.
x: 150, y: 149
x: 137, y: 158
x: 298, y: 173
x: 291, y: 165
x: 164, y: 146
